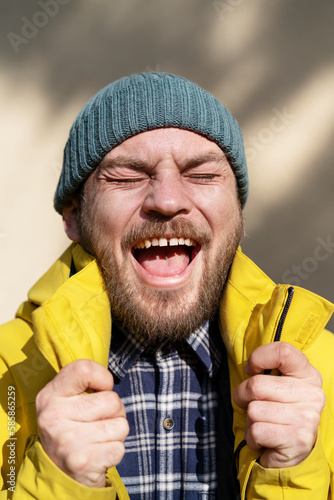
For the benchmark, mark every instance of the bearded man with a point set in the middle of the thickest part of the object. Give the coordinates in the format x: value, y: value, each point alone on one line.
x: 154, y: 360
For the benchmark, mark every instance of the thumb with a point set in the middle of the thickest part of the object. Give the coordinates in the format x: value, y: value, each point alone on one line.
x: 80, y: 375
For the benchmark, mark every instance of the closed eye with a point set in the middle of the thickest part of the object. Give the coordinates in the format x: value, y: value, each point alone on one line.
x: 203, y: 176
x: 126, y: 181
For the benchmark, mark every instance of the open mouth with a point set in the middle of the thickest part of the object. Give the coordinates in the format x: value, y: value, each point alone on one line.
x: 165, y: 257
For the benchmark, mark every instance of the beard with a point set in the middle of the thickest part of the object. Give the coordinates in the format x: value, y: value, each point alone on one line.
x: 159, y: 315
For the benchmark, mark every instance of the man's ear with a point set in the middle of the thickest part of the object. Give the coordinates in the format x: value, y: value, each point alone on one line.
x: 70, y: 218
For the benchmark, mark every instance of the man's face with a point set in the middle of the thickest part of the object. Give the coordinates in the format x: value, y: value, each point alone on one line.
x: 161, y: 215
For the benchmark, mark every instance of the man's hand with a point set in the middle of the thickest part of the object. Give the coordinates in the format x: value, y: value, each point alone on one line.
x: 83, y: 434
x: 283, y: 412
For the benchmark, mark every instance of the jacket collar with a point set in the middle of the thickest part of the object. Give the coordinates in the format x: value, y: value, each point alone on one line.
x: 252, y: 305
x: 70, y: 316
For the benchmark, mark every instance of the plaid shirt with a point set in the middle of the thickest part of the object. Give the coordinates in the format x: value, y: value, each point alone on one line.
x: 171, y: 401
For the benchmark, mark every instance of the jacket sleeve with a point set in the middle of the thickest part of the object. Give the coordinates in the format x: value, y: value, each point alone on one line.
x: 308, y: 480
x: 39, y: 479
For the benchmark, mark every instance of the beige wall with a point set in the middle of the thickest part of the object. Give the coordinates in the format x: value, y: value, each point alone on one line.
x: 270, y: 63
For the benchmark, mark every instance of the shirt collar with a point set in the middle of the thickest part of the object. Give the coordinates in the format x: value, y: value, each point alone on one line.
x: 208, y: 345
x: 125, y: 349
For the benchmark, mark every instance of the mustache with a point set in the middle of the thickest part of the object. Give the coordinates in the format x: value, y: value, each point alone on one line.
x: 177, y: 228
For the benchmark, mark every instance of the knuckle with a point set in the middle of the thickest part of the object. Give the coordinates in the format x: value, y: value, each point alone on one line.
x: 304, y: 438
x: 313, y: 419
x: 42, y: 421
x: 124, y: 428
x: 286, y: 350
x: 317, y: 398
x: 67, y: 439
x: 255, y: 387
x: 42, y: 399
x: 114, y: 429
x: 84, y: 368
x: 117, y: 452
x: 311, y: 416
x: 116, y: 403
x: 322, y: 400
x: 76, y: 461
x: 113, y: 399
x: 252, y: 411
x: 253, y: 434
x: 48, y: 418
x: 318, y: 378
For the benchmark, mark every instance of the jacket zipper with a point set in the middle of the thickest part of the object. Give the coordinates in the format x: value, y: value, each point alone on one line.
x: 280, y: 325
x: 278, y: 333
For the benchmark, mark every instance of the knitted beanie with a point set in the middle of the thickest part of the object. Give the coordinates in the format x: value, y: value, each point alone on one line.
x: 143, y: 102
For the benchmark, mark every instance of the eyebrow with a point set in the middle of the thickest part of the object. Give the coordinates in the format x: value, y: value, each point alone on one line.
x: 205, y: 158
x: 123, y: 161
x: 128, y: 161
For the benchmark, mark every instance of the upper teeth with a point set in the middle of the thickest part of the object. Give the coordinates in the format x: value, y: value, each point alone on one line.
x: 163, y: 242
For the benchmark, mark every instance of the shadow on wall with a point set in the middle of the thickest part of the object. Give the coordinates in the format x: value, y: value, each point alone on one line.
x: 295, y: 244
x: 74, y: 45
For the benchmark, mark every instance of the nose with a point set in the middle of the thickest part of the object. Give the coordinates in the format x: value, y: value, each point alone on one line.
x: 167, y: 195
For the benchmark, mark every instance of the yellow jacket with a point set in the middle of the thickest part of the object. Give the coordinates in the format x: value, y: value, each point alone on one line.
x: 69, y: 318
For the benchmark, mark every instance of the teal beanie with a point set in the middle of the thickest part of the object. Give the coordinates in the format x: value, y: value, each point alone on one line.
x: 143, y: 102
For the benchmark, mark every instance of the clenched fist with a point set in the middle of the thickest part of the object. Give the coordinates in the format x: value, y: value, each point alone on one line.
x: 283, y: 412
x: 83, y: 434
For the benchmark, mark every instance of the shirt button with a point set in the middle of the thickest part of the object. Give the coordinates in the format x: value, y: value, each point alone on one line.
x: 168, y: 424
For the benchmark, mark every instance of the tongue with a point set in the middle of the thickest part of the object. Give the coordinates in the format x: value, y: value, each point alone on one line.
x: 164, y: 261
